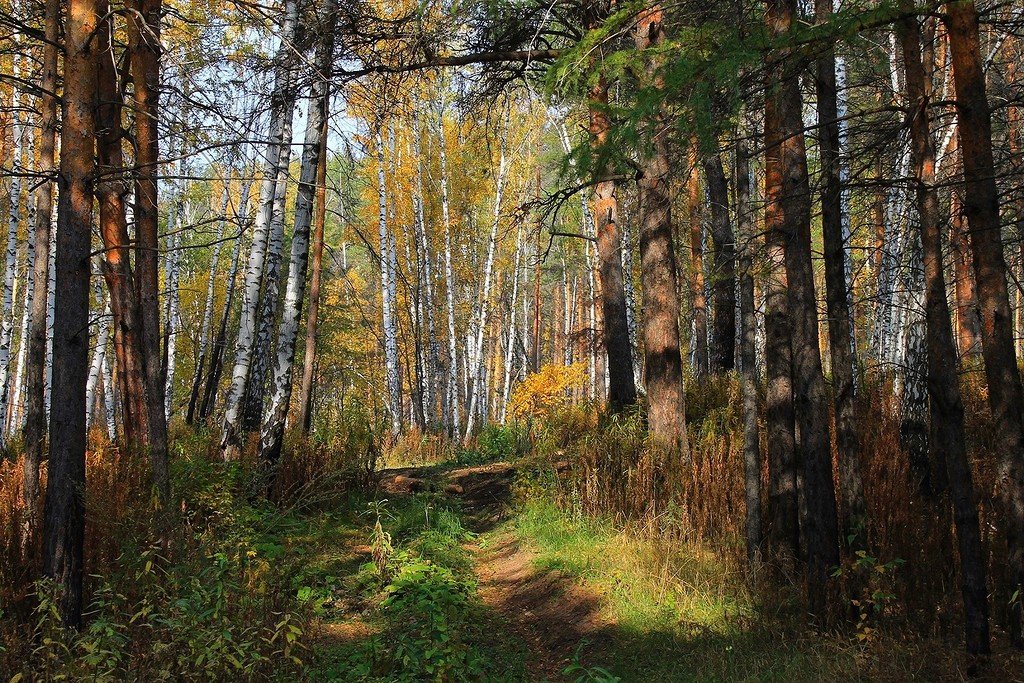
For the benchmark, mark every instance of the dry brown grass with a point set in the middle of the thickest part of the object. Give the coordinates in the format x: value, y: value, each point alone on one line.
x: 611, y: 472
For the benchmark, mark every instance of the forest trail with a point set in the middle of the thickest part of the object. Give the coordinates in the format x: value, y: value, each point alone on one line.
x: 555, y: 617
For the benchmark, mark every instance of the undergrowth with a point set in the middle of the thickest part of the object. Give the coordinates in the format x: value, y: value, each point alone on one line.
x: 425, y: 621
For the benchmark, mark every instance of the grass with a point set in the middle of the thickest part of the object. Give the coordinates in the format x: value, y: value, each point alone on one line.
x: 679, y: 613
x: 411, y: 613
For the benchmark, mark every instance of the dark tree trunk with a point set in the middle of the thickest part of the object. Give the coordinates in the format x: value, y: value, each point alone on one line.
x: 947, y: 410
x: 144, y: 46
x: 981, y: 207
x: 64, y: 530
x: 965, y: 291
x: 840, y: 329
x: 723, y: 275
x: 117, y: 271
x: 694, y: 219
x: 748, y: 369
x: 788, y: 215
x: 663, y: 368
x: 783, y: 505
x: 621, y: 387
x: 35, y: 402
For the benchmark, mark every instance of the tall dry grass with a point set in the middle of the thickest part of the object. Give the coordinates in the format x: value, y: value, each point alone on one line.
x: 607, y: 468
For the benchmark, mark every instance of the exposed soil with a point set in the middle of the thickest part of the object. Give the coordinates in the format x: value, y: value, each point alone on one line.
x: 549, y: 611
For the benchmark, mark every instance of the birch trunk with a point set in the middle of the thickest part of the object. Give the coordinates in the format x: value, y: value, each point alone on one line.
x: 454, y: 418
x: 10, y: 269
x: 388, y: 270
x: 476, y: 360
x: 98, y: 357
x: 241, y: 217
x: 252, y: 409
x: 305, y: 419
x: 204, y: 332
x: 232, y: 436
x: 511, y: 333
x: 173, y: 321
x: 312, y: 157
x: 16, y: 409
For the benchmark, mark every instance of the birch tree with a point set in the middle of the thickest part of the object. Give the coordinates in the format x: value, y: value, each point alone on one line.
x: 312, y: 157
x: 279, y: 124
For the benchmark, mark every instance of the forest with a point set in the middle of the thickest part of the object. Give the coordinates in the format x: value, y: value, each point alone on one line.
x: 512, y: 340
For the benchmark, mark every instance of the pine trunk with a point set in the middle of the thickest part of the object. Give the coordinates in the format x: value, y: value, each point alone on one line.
x: 663, y: 367
x: 842, y: 346
x: 788, y: 219
x: 64, y: 530
x: 144, y: 46
x: 946, y: 405
x: 981, y: 207
x: 723, y: 275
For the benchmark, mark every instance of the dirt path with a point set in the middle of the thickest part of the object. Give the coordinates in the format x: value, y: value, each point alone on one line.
x: 549, y: 611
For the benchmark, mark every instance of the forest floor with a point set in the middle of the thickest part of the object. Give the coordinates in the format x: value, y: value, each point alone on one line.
x: 492, y: 581
x: 541, y: 619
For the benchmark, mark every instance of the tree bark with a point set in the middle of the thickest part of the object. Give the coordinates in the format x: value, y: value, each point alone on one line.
x: 144, y: 45
x: 947, y: 410
x: 621, y: 386
x: 981, y: 207
x: 663, y: 367
x: 748, y: 368
x: 788, y: 218
x: 389, y: 314
x: 117, y: 270
x: 965, y: 290
x: 842, y: 346
x: 723, y: 275
x: 305, y: 420
x: 313, y: 158
x: 233, y: 434
x: 64, y: 530
x: 35, y: 394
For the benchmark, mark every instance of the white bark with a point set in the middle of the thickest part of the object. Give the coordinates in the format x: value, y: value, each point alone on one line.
x: 388, y: 268
x: 16, y: 411
x: 108, y: 399
x: 230, y: 441
x: 98, y: 355
x: 50, y: 292
x: 432, y: 351
x: 173, y: 322
x: 476, y: 356
x: 511, y: 333
x: 14, y: 219
x: 277, y: 411
x: 454, y: 420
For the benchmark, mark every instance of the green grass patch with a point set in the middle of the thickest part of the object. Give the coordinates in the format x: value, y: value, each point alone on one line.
x: 418, y: 597
x: 679, y: 613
